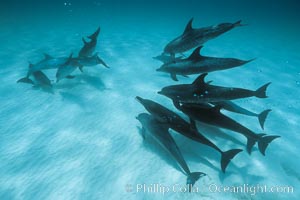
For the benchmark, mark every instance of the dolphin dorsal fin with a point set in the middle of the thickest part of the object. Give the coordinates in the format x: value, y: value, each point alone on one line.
x: 199, y: 81
x: 69, y: 59
x: 188, y: 27
x: 47, y: 56
x: 196, y: 54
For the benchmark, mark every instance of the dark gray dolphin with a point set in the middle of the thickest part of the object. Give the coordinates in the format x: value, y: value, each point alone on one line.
x: 90, y: 61
x: 65, y: 70
x: 233, y: 107
x: 159, y: 132
x: 213, y: 116
x: 197, y: 64
x: 201, y: 92
x: 175, y: 122
x: 192, y: 37
x: 89, y: 47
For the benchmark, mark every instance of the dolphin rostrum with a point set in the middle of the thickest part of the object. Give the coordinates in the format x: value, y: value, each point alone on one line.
x: 89, y: 47
x: 197, y: 64
x: 212, y: 115
x: 201, y: 92
x: 159, y: 132
x: 175, y: 122
x: 192, y: 37
x: 233, y: 107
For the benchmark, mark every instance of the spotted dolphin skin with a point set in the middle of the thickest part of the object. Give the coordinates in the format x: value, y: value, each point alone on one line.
x: 160, y: 133
x: 175, y: 122
x: 201, y: 92
x: 89, y: 47
x: 192, y: 37
x: 197, y: 64
x: 212, y: 115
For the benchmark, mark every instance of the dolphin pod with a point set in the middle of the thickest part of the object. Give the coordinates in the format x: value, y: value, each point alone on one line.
x: 202, y: 101
x: 65, y: 66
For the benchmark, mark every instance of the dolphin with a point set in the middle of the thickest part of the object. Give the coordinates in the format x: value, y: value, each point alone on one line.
x: 196, y: 64
x: 65, y: 70
x: 161, y: 135
x: 175, y: 122
x: 233, y: 107
x: 192, y: 37
x: 39, y: 80
x: 166, y: 58
x: 201, y: 92
x: 89, y: 47
x: 90, y: 61
x: 212, y: 115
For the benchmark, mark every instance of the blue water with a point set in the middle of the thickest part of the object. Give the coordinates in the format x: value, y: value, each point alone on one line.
x: 82, y: 142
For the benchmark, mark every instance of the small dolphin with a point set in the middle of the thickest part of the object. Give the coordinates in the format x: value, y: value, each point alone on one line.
x: 230, y: 106
x: 201, y: 92
x: 91, y: 61
x: 213, y: 116
x: 65, y: 70
x: 161, y: 135
x: 196, y: 64
x: 192, y: 37
x: 166, y: 58
x: 89, y: 47
x: 40, y: 80
x: 175, y: 122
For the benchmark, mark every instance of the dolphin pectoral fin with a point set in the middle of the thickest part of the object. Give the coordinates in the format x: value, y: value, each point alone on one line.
x: 173, y: 76
x: 186, y: 76
x: 81, y: 68
x: 264, y: 142
x: 262, y: 117
x: 25, y: 80
x: 193, y: 124
x: 70, y: 77
x: 192, y: 178
x: 227, y: 156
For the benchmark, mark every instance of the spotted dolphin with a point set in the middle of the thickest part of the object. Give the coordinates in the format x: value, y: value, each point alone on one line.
x: 175, y: 122
x: 160, y: 133
x: 212, y: 115
x: 90, y: 61
x: 65, y: 70
x: 233, y: 107
x: 89, y: 47
x: 192, y: 37
x: 197, y: 64
x: 201, y: 92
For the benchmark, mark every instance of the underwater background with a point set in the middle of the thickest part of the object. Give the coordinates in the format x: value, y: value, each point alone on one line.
x: 82, y: 141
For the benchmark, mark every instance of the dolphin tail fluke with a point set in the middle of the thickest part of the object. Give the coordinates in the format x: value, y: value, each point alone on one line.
x: 192, y: 178
x: 250, y: 143
x: 227, y: 156
x: 261, y: 92
x: 95, y: 34
x: 264, y: 142
x: 25, y: 80
x: 262, y: 117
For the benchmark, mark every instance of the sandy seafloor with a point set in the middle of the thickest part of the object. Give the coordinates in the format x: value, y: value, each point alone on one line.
x: 82, y: 142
